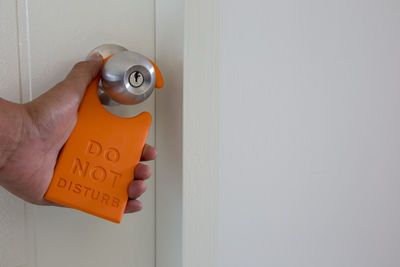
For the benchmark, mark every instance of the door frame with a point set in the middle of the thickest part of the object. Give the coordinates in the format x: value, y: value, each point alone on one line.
x: 187, y: 133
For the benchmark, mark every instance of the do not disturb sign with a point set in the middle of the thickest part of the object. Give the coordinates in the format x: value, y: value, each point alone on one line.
x: 97, y: 163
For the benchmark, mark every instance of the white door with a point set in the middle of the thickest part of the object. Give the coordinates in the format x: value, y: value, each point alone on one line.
x: 40, y: 42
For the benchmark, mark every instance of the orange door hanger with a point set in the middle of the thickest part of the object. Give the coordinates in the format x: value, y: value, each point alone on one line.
x: 97, y: 162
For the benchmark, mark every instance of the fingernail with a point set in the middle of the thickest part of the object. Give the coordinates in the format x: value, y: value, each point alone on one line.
x: 95, y: 56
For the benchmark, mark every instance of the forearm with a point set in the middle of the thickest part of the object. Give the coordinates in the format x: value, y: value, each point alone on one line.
x: 11, y: 127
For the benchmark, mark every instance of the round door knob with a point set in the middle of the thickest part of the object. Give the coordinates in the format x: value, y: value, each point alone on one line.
x: 127, y: 77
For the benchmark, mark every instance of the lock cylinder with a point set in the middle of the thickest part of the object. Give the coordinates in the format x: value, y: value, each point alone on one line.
x: 128, y: 77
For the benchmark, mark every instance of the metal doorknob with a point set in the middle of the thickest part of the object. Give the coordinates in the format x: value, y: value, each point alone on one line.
x: 127, y: 77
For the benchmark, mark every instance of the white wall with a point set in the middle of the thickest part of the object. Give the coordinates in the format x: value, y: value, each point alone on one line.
x: 310, y: 133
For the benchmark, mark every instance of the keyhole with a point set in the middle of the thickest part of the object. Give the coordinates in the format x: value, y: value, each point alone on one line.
x: 136, y: 79
x: 136, y: 76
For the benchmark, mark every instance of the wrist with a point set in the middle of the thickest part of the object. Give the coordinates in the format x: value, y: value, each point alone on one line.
x: 11, y: 129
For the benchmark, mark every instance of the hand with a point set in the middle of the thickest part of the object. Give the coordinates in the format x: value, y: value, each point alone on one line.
x: 32, y: 135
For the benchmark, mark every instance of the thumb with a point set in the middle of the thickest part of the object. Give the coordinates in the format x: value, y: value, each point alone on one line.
x: 82, y: 74
x: 69, y: 92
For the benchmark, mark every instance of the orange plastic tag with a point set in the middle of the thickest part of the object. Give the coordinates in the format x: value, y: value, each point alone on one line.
x: 97, y: 162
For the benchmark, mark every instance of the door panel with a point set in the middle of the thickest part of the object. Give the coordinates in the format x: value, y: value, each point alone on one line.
x: 58, y: 34
x: 9, y: 79
x: 12, y: 230
x: 12, y: 214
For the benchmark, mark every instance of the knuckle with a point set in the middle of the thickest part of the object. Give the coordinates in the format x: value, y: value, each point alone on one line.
x: 149, y: 171
x: 81, y: 65
x: 144, y: 187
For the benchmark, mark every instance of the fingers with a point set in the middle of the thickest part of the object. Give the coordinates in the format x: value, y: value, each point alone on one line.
x: 142, y: 172
x: 136, y: 189
x: 149, y: 153
x: 133, y: 206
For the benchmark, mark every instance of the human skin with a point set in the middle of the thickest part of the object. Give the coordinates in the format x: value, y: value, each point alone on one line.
x: 32, y: 135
